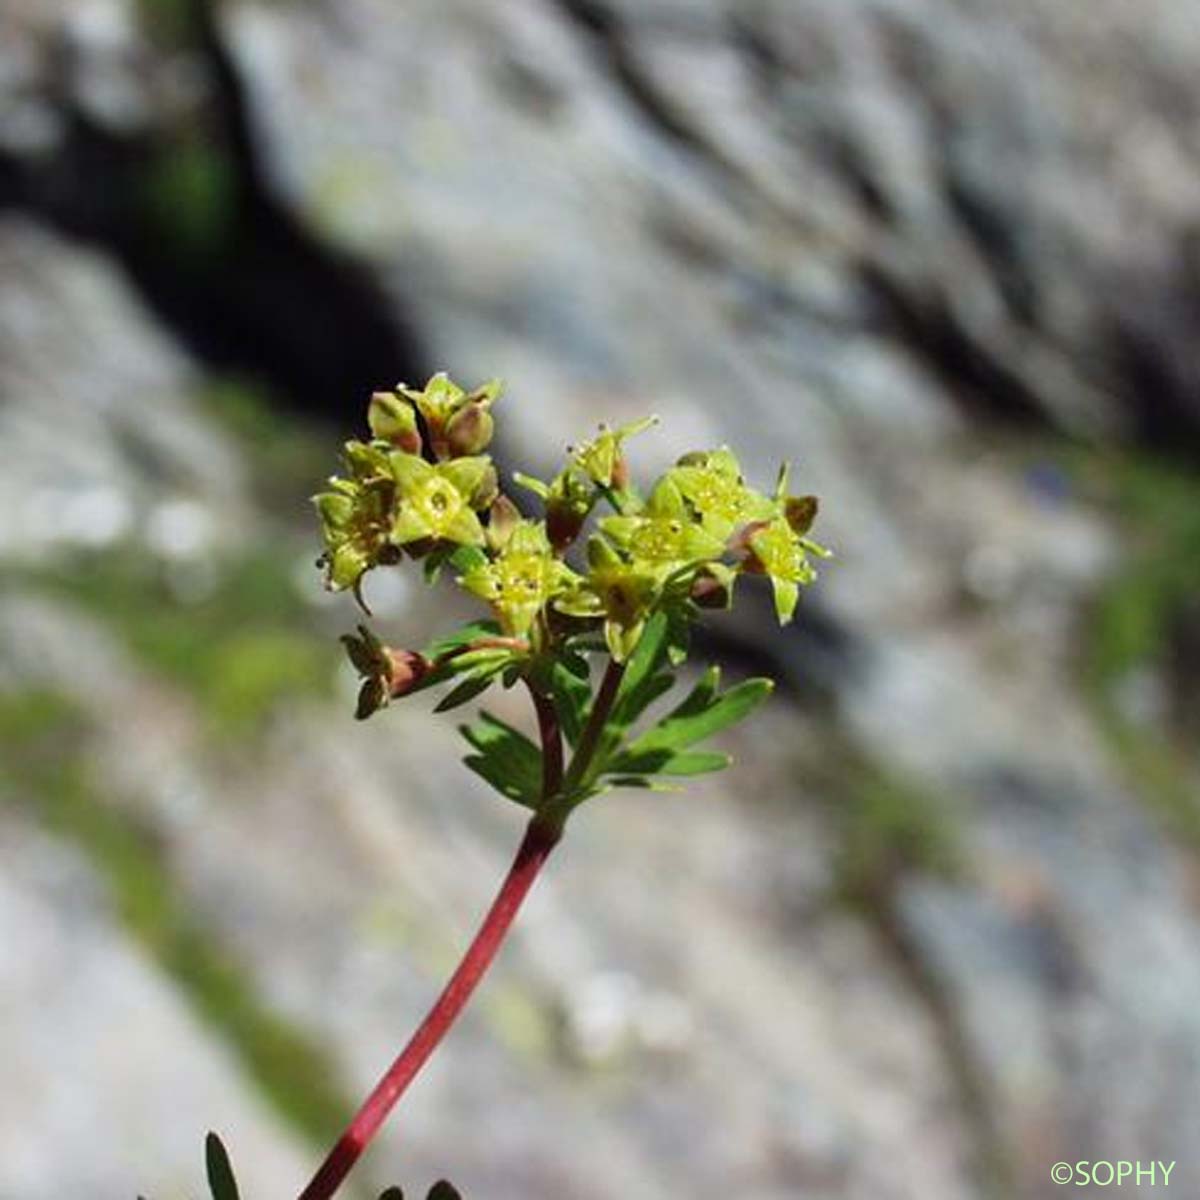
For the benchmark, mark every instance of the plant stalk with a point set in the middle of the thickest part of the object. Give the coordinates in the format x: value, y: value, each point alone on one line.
x: 541, y: 836
x: 540, y: 839
x: 552, y: 746
x: 589, y: 739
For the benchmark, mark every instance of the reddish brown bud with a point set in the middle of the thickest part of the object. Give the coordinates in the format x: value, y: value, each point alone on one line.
x: 469, y: 431
x: 620, y: 473
x: 739, y: 544
x: 504, y: 518
x: 710, y: 590
x: 392, y: 420
x: 563, y: 523
x: 801, y: 512
x: 406, y: 669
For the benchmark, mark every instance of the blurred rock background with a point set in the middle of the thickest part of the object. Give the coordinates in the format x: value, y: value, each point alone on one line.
x: 938, y: 928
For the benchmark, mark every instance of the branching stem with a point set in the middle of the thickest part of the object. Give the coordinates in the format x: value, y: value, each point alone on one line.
x: 535, y: 848
x: 541, y: 836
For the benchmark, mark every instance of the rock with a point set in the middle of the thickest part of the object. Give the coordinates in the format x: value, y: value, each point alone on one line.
x: 843, y: 232
x: 112, y: 1082
x: 102, y: 442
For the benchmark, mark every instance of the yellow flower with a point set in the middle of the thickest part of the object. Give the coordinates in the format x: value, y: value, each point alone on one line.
x: 711, y: 482
x: 621, y: 592
x: 435, y: 500
x: 776, y: 551
x: 601, y: 459
x: 664, y: 535
x: 441, y: 401
x: 356, y: 517
x: 521, y: 579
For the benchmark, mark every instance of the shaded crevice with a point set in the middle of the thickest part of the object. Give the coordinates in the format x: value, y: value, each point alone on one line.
x: 995, y: 237
x: 215, y: 252
x: 991, y: 1163
x: 927, y: 325
x: 612, y: 47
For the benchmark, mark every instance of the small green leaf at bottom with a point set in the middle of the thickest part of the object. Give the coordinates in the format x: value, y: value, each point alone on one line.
x: 220, y: 1173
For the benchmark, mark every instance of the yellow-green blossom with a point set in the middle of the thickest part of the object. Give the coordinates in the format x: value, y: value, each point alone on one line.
x: 568, y: 499
x: 776, y: 551
x: 435, y: 501
x: 521, y: 579
x: 712, y: 484
x: 442, y: 401
x: 600, y: 459
x: 664, y: 535
x: 356, y: 516
x: 621, y: 592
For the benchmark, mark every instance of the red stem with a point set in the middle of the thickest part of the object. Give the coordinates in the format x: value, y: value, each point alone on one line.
x: 535, y: 848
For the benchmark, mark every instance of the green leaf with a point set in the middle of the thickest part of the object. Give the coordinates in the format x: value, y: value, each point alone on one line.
x: 461, y: 636
x: 467, y: 558
x: 572, y: 697
x: 643, y: 679
x: 220, y: 1174
x: 507, y: 759
x: 466, y: 691
x: 435, y: 560
x: 679, y: 632
x: 643, y: 781
x: 443, y: 1191
x: 704, y: 713
x: 486, y: 661
x: 667, y: 762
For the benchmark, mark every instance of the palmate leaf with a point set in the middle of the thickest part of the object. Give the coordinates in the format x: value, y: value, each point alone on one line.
x: 506, y: 758
x: 663, y: 749
x: 704, y: 712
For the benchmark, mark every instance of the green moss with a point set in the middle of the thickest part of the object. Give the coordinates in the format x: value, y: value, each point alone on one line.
x: 1158, y: 506
x: 888, y: 826
x: 290, y: 455
x: 243, y: 648
x: 42, y: 737
x: 884, y: 824
x: 188, y: 197
x: 1129, y: 628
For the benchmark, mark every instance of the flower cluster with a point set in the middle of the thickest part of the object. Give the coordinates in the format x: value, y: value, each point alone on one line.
x: 423, y: 487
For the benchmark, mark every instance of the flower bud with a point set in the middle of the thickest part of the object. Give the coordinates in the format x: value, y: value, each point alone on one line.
x: 393, y: 420
x: 712, y: 586
x: 486, y: 490
x: 801, y: 512
x: 564, y: 520
x: 406, y: 669
x: 469, y: 431
x: 620, y: 472
x: 504, y: 518
x: 740, y: 545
